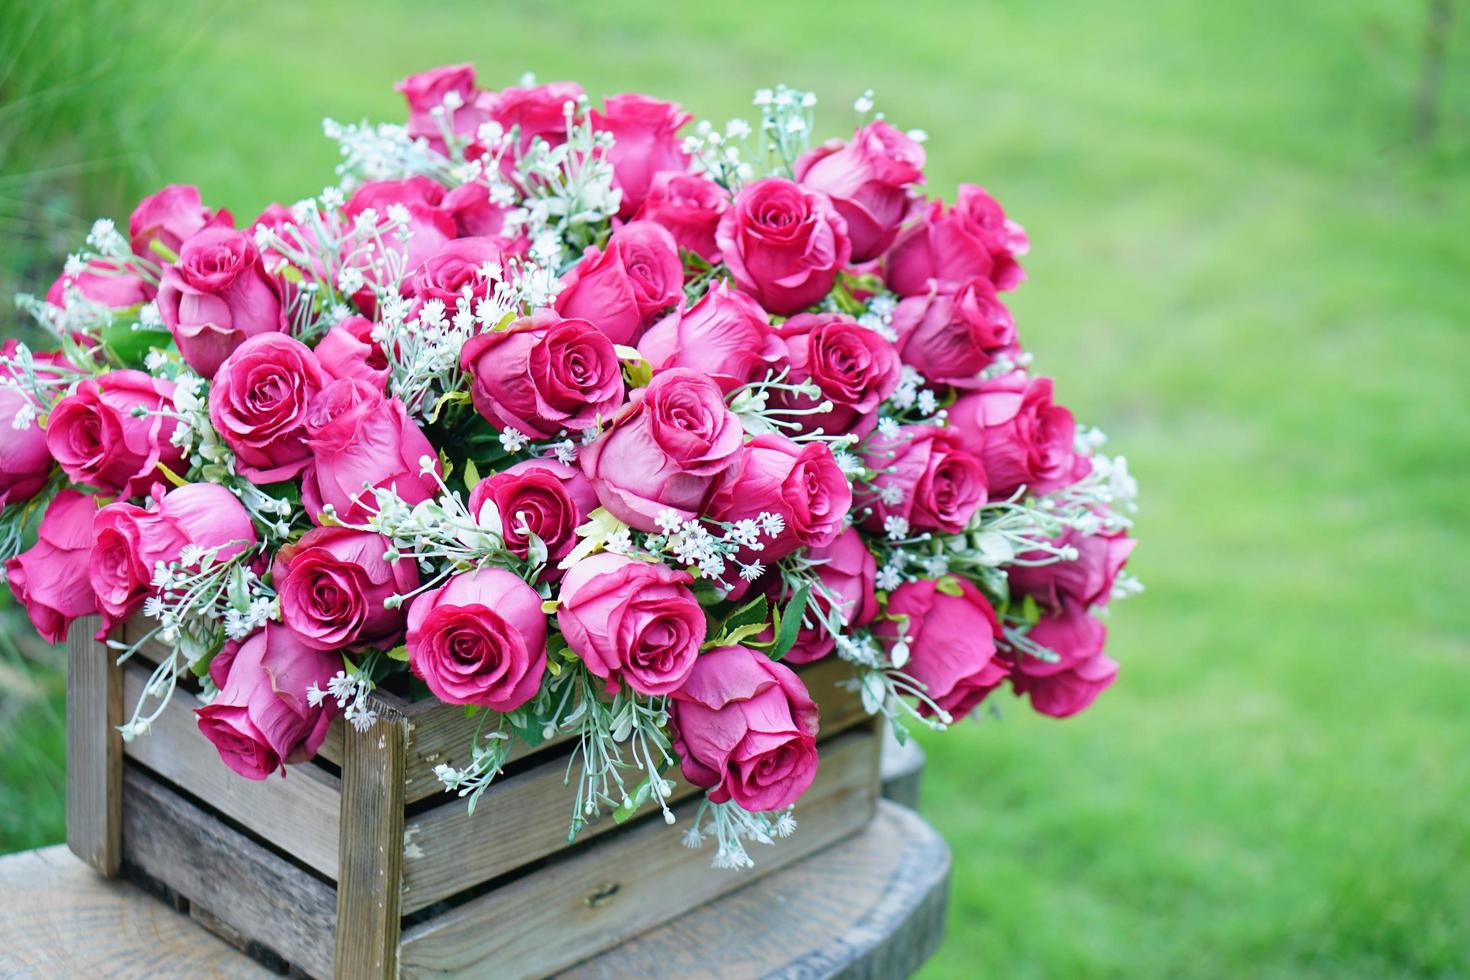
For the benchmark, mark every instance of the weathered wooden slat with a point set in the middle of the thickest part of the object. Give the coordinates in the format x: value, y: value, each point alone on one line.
x: 93, y: 749
x: 297, y: 813
x: 617, y: 889
x: 262, y: 897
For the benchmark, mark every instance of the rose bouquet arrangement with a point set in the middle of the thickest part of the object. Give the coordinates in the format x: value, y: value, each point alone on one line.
x: 591, y: 420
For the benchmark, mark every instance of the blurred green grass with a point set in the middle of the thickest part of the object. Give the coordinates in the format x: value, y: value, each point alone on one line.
x: 1247, y: 275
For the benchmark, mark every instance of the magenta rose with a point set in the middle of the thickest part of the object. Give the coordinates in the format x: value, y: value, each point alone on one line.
x: 479, y: 639
x: 457, y: 271
x: 645, y: 142
x: 950, y: 337
x: 540, y: 497
x: 475, y: 214
x: 25, y: 462
x: 974, y: 238
x: 1086, y: 581
x: 869, y: 181
x: 1022, y: 436
x: 217, y: 296
x: 263, y: 716
x: 348, y: 350
x: 98, y: 441
x: 101, y: 281
x: 726, y: 336
x: 258, y: 404
x: 799, y: 482
x: 1062, y: 687
x: 925, y: 477
x: 632, y: 622
x: 668, y: 450
x: 689, y: 206
x: 428, y: 90
x: 845, y: 588
x: 360, y: 441
x: 334, y: 585
x: 49, y: 579
x: 784, y: 244
x: 745, y: 728
x: 543, y: 375
x: 430, y: 227
x: 169, y: 217
x: 950, y: 641
x: 624, y: 287
x: 855, y: 368
x: 538, y: 112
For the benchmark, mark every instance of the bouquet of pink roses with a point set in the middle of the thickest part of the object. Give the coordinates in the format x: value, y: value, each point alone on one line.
x: 549, y: 411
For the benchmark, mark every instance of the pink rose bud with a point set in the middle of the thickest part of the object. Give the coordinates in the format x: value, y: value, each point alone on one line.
x: 632, y: 622
x: 950, y: 337
x: 689, y: 206
x: 263, y: 716
x: 349, y: 351
x: 869, y: 181
x: 1081, y: 672
x: 100, y: 440
x: 540, y: 497
x: 101, y: 281
x: 169, y: 217
x: 539, y: 112
x: 974, y: 238
x: 925, y: 478
x: 428, y: 90
x: 726, y: 336
x: 335, y: 584
x: 218, y: 295
x: 948, y: 641
x: 745, y: 728
x: 25, y: 462
x: 845, y: 591
x: 1086, y: 581
x: 645, y: 143
x: 258, y: 404
x: 855, y: 368
x: 784, y: 244
x: 50, y: 578
x: 479, y: 639
x: 624, y: 287
x: 1023, y: 438
x: 799, y: 482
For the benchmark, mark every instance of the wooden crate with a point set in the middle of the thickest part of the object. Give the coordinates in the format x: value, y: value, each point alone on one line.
x: 358, y: 865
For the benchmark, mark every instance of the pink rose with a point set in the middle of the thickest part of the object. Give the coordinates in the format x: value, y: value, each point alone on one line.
x: 1063, y: 687
x: 543, y: 375
x: 428, y: 90
x: 854, y: 366
x: 101, y: 281
x: 100, y: 443
x: 430, y: 227
x: 25, y: 462
x: 1023, y: 437
x: 784, y: 244
x: 258, y: 404
x: 360, y: 441
x: 457, y: 271
x: 1086, y: 581
x: 263, y: 716
x: 745, y: 728
x: 349, y: 351
x: 950, y: 641
x: 632, y: 622
x: 217, y: 296
x: 869, y: 181
x: 479, y: 639
x: 50, y: 578
x: 539, y: 496
x: 334, y: 585
x: 169, y: 217
x: 689, y: 206
x: 539, y: 112
x: 645, y: 142
x: 974, y: 238
x: 303, y: 235
x: 624, y: 287
x: 474, y: 214
x: 925, y: 477
x: 668, y: 450
x: 950, y: 337
x: 799, y: 482
x: 726, y: 336
x: 845, y: 591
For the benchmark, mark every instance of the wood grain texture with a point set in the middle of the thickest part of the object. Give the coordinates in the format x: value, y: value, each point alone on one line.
x: 902, y: 769
x: 297, y: 812
x: 256, y: 894
x: 93, y: 749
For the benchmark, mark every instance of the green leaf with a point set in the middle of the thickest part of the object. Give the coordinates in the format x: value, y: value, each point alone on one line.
x: 949, y: 585
x: 398, y: 653
x: 790, y: 625
x: 471, y: 474
x: 130, y: 346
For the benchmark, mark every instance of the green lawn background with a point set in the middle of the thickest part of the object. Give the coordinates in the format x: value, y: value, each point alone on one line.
x: 1241, y: 269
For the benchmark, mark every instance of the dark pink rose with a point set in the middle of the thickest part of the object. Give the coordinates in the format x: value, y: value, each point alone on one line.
x: 428, y: 90
x: 726, y: 335
x: 800, y: 482
x: 540, y: 496
x: 745, y: 728
x: 1086, y: 581
x: 258, y: 404
x: 632, y: 622
x: 1062, y: 687
x: 334, y: 585
x: 926, y: 477
x: 784, y: 244
x: 169, y: 217
x: 950, y: 337
x: 474, y: 214
x: 845, y: 590
x: 459, y: 270
x: 974, y: 238
x: 624, y: 287
x: 1022, y: 436
x: 668, y: 449
x: 25, y: 462
x: 361, y: 440
x: 263, y: 717
x: 349, y: 351
x: 479, y: 639
x: 543, y: 375
x: 869, y: 182
x: 539, y: 112
x: 430, y: 226
x: 644, y: 143
x: 950, y: 641
x: 217, y: 296
x: 689, y: 206
x: 49, y: 579
x: 101, y: 281
x: 854, y: 366
x: 99, y: 442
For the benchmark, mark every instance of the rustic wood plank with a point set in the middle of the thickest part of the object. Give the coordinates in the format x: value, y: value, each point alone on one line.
x: 623, y: 886
x: 260, y: 896
x: 368, y: 907
x: 902, y: 769
x: 297, y: 812
x: 93, y: 749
